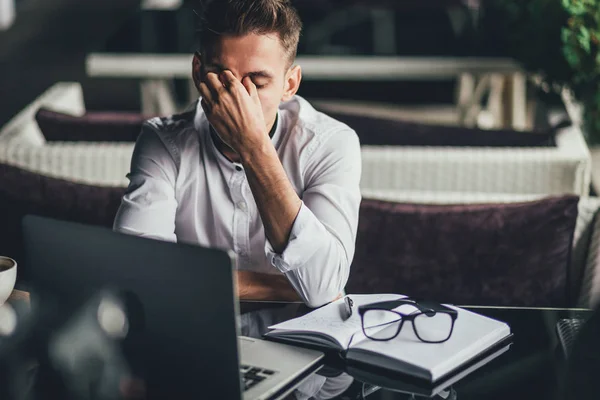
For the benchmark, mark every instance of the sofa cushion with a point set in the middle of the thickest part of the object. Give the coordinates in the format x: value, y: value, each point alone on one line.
x: 91, y: 127
x: 388, y: 132
x: 23, y: 192
x: 487, y: 254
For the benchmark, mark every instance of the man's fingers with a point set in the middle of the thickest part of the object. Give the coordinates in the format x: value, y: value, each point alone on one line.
x: 250, y: 88
x: 229, y: 80
x: 205, y: 106
x: 214, y: 83
x: 205, y: 92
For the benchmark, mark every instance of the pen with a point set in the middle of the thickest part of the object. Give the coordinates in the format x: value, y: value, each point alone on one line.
x: 349, y: 303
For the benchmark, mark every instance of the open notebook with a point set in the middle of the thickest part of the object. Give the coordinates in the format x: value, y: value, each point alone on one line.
x: 326, y: 328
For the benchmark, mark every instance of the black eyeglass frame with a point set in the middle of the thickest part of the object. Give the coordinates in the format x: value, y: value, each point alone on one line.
x: 428, y: 308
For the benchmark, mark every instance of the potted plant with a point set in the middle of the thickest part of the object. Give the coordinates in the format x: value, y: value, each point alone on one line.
x: 580, y: 39
x: 559, y: 43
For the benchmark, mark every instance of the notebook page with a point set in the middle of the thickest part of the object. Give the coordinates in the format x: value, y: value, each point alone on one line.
x: 329, y: 320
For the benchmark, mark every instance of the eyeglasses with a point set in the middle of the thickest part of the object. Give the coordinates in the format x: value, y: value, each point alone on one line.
x: 432, y: 322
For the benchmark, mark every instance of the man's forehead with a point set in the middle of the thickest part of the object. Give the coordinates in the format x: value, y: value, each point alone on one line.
x: 252, y: 53
x: 261, y: 72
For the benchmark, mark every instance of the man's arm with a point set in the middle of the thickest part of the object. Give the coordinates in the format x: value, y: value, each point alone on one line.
x: 234, y: 110
x: 310, y: 240
x: 318, y: 240
x: 278, y: 205
x: 276, y: 199
x: 258, y: 286
x: 148, y: 207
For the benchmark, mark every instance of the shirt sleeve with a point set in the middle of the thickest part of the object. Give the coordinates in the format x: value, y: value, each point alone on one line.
x: 320, y: 249
x: 148, y: 207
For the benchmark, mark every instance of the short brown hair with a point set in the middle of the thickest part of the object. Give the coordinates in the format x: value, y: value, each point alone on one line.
x: 242, y: 17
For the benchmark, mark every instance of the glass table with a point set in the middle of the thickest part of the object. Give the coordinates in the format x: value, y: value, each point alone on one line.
x: 534, y: 366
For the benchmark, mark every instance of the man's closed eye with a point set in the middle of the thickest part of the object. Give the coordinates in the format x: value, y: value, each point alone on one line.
x: 260, y: 86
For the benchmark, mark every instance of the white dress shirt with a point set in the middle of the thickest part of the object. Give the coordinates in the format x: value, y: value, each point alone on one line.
x: 182, y: 188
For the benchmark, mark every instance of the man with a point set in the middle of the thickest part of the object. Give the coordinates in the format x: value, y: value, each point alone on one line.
x: 254, y: 168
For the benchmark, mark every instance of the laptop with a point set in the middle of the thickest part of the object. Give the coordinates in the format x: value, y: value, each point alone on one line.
x: 190, y: 345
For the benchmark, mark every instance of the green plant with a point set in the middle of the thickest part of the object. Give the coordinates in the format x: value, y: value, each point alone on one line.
x: 558, y: 40
x: 581, y: 48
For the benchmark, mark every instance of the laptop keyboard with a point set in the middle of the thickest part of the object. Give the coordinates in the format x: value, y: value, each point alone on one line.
x: 253, y: 375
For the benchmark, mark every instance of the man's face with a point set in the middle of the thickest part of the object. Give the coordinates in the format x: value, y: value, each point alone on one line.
x: 260, y: 57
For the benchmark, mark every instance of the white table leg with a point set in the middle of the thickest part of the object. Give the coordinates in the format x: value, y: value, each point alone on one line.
x: 464, y: 92
x: 470, y: 97
x: 147, y: 97
x: 515, y: 101
x: 157, y: 97
x: 518, y: 81
x: 495, y: 108
x: 165, y: 97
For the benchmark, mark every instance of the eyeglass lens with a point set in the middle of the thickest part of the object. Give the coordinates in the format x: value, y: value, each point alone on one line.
x: 384, y: 325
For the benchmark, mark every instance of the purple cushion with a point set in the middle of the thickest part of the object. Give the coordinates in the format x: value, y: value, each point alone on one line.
x: 23, y: 192
x: 488, y: 254
x: 91, y: 127
x: 388, y: 132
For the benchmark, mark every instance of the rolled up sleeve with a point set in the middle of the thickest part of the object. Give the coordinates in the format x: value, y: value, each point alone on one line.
x: 149, y: 206
x: 321, y: 245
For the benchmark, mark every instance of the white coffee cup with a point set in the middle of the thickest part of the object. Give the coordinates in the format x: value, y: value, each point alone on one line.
x: 8, y: 277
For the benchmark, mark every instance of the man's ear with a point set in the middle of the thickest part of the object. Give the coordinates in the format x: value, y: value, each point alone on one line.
x: 292, y: 82
x: 197, y: 69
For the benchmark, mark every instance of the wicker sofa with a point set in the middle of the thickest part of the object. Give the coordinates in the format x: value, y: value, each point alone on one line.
x: 388, y: 163
x: 23, y: 192
x: 496, y: 162
x: 22, y: 144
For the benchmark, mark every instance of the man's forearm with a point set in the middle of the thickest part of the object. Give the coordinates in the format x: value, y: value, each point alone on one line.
x: 267, y: 287
x: 277, y: 202
x: 258, y: 286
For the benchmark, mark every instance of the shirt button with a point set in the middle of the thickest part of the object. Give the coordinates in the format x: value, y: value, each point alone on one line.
x: 237, y: 167
x: 241, y: 205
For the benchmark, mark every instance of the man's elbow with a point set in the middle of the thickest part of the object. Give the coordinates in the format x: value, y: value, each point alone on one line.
x: 320, y: 298
x: 330, y: 289
x: 322, y: 278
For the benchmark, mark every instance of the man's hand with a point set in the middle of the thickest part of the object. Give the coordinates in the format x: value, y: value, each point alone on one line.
x: 234, y: 110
